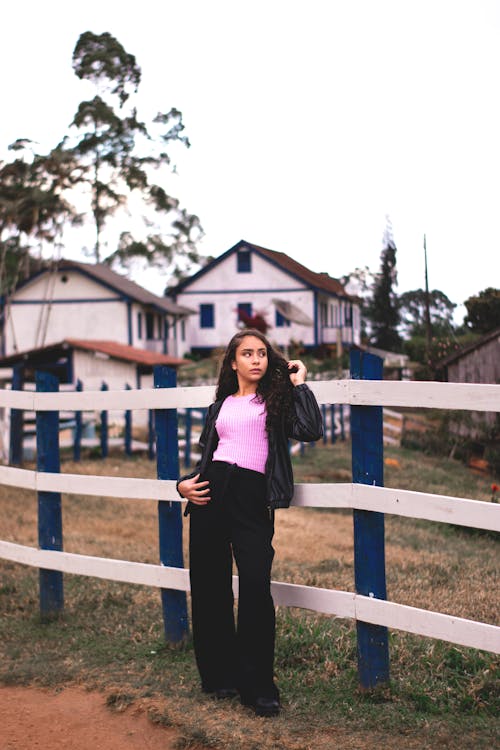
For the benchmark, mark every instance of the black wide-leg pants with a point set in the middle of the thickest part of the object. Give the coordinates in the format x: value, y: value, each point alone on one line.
x: 236, y: 521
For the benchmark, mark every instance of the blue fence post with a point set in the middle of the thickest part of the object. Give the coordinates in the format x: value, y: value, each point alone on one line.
x: 188, y: 423
x: 369, y: 546
x: 151, y: 435
x: 16, y: 421
x: 104, y: 427
x: 128, y: 427
x: 323, y: 416
x: 174, y: 603
x: 49, y: 503
x: 77, y: 440
x: 342, y: 425
x: 333, y: 437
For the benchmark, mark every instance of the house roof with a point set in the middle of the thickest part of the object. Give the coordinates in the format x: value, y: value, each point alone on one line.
x: 110, y: 348
x: 321, y: 281
x: 469, y: 348
x: 126, y: 352
x: 102, y: 273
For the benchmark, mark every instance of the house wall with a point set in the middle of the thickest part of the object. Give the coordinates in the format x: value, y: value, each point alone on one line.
x: 338, y: 319
x: 481, y: 365
x: 225, y: 288
x: 94, y: 368
x: 64, y: 305
x: 68, y: 304
x: 162, y: 336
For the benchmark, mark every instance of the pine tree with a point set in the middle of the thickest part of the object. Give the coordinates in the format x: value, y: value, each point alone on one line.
x: 384, y: 307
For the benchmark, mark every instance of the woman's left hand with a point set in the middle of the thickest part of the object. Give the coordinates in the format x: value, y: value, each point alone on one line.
x: 297, y: 371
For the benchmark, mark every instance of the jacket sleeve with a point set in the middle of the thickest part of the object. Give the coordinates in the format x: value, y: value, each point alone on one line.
x: 202, y: 442
x: 305, y: 423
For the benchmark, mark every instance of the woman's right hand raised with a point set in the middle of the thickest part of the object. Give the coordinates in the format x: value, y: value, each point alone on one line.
x: 194, y: 491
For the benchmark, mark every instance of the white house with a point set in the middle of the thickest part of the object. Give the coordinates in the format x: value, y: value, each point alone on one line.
x: 298, y: 304
x: 89, y: 301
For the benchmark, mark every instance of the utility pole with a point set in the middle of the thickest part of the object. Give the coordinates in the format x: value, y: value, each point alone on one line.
x: 428, y: 328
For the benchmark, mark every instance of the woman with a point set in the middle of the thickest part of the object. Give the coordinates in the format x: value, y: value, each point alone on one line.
x: 243, y: 475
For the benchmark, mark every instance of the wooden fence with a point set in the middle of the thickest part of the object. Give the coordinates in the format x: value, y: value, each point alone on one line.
x: 366, y: 394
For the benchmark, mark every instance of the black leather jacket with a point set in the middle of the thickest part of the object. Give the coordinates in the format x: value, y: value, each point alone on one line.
x: 304, y: 424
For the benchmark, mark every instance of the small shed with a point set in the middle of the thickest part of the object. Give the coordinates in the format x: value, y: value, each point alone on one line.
x: 476, y: 363
x: 92, y: 363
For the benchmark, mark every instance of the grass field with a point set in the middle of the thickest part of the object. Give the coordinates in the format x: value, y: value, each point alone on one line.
x: 110, y: 635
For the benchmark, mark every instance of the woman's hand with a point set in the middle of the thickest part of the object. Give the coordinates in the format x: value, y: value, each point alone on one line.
x: 194, y: 491
x: 297, y: 371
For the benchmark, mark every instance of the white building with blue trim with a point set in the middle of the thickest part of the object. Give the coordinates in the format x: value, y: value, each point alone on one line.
x: 298, y: 304
x: 88, y: 301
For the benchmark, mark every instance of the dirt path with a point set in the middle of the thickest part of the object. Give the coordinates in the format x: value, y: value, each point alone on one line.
x: 74, y: 719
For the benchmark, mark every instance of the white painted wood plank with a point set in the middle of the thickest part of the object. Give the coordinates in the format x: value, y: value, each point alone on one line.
x: 330, y: 391
x: 392, y: 413
x: 468, y: 396
x: 430, y: 624
x: 121, y: 487
x: 16, y: 399
x: 145, y: 398
x: 441, y: 508
x: 98, y: 567
x: 338, y: 603
x: 326, y: 601
x: 392, y: 427
x: 11, y: 476
x: 311, y: 495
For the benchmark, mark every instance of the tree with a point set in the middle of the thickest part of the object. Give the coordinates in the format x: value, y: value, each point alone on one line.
x: 412, y: 310
x: 119, y: 153
x: 483, y: 311
x: 33, y: 206
x: 384, y: 308
x: 359, y: 283
x: 257, y: 320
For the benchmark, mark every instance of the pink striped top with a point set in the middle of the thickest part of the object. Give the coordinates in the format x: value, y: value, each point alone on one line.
x: 241, y: 426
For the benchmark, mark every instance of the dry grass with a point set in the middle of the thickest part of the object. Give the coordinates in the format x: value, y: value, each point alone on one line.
x: 111, y: 634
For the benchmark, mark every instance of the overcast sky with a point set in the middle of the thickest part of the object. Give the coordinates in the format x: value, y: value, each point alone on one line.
x: 309, y: 121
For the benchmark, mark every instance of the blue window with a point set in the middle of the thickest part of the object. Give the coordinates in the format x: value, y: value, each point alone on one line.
x: 207, y: 316
x: 139, y: 325
x: 281, y: 321
x: 150, y: 326
x: 244, y: 261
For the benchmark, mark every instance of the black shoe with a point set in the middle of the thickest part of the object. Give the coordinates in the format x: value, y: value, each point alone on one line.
x: 263, y: 706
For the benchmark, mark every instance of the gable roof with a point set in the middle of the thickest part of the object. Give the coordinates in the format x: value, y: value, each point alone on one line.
x: 110, y: 348
x: 320, y: 281
x: 103, y: 274
x: 454, y: 356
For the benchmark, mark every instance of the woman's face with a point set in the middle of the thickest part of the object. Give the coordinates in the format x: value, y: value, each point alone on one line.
x: 250, y: 362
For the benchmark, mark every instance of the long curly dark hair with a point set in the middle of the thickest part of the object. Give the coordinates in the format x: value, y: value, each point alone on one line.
x: 275, y: 388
